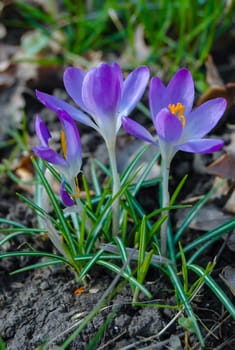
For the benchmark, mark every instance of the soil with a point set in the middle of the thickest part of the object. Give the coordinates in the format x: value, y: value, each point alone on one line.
x: 44, y: 306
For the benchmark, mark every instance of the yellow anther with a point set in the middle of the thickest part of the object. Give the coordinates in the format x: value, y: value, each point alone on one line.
x: 76, y: 195
x: 63, y: 143
x: 178, y: 110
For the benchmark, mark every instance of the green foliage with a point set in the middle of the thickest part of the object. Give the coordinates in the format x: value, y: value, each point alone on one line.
x: 2, y: 345
x: 160, y: 33
x: 83, y: 240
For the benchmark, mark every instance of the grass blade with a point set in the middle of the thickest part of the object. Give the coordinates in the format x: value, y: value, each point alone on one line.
x: 183, y: 297
x: 57, y: 209
x: 211, y: 236
x: 194, y: 212
x: 215, y: 288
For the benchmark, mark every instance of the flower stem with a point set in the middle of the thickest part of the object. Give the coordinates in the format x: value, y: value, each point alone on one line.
x: 79, y: 205
x: 116, y: 186
x: 165, y: 168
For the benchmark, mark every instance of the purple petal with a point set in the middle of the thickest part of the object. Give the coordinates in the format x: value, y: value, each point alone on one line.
x: 157, y: 96
x: 137, y: 130
x: 204, y: 118
x: 66, y: 199
x: 73, y: 80
x: 50, y: 156
x: 73, y: 143
x: 101, y: 91
x: 202, y: 146
x: 118, y: 72
x: 42, y: 131
x: 133, y: 89
x: 169, y: 127
x: 56, y: 104
x: 181, y: 89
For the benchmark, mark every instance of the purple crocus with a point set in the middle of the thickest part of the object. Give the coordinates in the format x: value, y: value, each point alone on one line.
x: 68, y: 164
x: 102, y: 95
x: 178, y: 126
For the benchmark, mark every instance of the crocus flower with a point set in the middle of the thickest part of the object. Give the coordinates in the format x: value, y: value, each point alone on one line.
x: 66, y: 198
x: 178, y: 126
x: 102, y: 94
x: 68, y: 164
x: 103, y: 97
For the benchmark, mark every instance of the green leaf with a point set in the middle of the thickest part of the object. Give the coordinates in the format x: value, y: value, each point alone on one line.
x: 123, y: 254
x: 59, y: 213
x: 208, y: 238
x: 215, y: 288
x: 187, y: 323
x: 177, y: 190
x: 2, y: 344
x: 183, y: 297
x: 130, y: 168
x: 130, y: 279
x: 184, y: 226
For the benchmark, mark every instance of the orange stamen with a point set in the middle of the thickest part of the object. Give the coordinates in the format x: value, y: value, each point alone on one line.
x: 63, y: 143
x: 76, y: 195
x: 178, y: 110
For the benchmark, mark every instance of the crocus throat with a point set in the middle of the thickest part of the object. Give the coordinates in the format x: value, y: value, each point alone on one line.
x: 178, y: 110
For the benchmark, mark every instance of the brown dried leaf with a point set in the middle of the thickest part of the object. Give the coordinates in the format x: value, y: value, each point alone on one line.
x: 217, y: 87
x: 25, y: 172
x: 212, y: 75
x: 224, y: 167
x: 26, y: 164
x: 230, y: 204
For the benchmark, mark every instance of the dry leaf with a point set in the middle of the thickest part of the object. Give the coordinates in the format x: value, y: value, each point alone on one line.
x: 228, y: 277
x: 231, y: 241
x: 230, y: 204
x: 224, y: 167
x: 25, y: 172
x: 207, y: 219
x: 230, y: 149
x: 217, y: 87
x: 141, y: 49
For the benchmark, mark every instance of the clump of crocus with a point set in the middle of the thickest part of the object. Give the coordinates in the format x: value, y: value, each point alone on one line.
x: 178, y: 126
x: 104, y: 97
x: 69, y: 163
